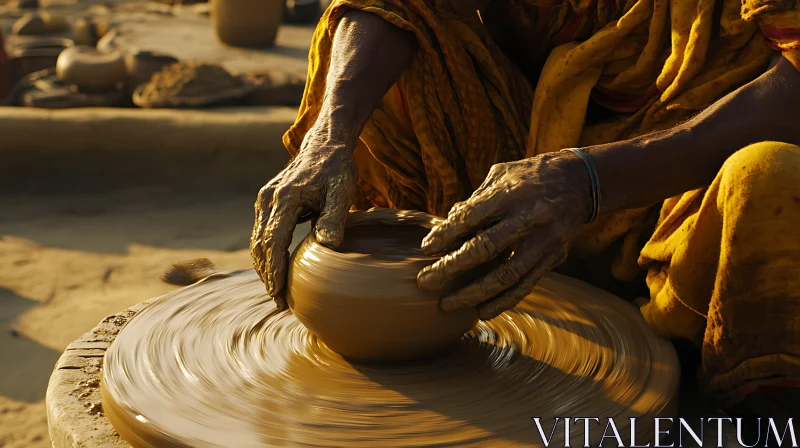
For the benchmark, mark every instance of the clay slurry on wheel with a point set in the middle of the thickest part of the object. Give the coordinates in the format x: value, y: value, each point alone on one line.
x: 215, y: 364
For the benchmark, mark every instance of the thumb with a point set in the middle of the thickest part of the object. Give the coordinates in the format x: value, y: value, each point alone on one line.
x: 329, y: 228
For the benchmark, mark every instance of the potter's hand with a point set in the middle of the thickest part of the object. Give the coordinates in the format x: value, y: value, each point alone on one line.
x: 533, y: 207
x: 320, y: 180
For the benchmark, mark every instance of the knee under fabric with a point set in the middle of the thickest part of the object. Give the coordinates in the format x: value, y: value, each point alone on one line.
x: 723, y: 270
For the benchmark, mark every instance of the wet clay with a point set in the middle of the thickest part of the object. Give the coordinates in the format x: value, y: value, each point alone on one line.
x: 189, y: 79
x: 362, y: 299
x: 215, y: 364
x: 190, y: 84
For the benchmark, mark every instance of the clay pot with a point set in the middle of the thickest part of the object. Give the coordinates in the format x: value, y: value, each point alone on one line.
x: 362, y: 300
x: 247, y: 23
x: 91, y: 70
x: 89, y: 30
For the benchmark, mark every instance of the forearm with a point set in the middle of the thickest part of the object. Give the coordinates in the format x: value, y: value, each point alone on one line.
x: 651, y: 168
x: 368, y: 57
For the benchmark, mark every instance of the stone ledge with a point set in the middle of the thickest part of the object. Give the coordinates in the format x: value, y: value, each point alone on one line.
x: 230, y: 148
x: 74, y: 410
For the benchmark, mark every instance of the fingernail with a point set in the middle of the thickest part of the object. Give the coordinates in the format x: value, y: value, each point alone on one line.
x: 430, y: 246
x: 327, y: 238
x: 428, y: 280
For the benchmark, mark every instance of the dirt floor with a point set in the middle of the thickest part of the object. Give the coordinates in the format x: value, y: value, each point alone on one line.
x: 67, y: 262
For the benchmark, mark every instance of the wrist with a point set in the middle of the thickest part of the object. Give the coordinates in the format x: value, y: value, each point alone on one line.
x: 579, y: 177
x: 332, y: 133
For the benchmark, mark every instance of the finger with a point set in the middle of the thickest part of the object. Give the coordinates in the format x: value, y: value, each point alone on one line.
x: 285, y: 212
x: 329, y: 228
x: 501, y: 278
x: 484, y: 247
x: 464, y: 220
x: 510, y: 298
x: 262, y: 212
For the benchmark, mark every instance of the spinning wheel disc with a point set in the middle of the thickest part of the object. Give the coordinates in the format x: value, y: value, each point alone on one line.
x: 216, y: 365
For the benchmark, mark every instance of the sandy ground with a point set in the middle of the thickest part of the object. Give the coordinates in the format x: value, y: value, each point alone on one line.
x: 67, y: 262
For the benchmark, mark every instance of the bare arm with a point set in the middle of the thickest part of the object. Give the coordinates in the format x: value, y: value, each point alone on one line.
x: 648, y: 169
x: 368, y: 57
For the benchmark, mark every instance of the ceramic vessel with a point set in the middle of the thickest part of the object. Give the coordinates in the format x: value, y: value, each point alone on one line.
x: 362, y: 299
x: 247, y: 23
x: 90, y: 29
x: 91, y: 70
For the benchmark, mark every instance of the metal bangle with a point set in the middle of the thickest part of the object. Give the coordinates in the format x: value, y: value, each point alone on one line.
x: 594, y: 179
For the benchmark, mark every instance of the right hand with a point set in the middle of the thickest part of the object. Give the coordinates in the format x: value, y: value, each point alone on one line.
x: 320, y: 180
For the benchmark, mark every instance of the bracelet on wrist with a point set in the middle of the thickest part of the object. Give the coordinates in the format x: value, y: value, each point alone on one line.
x: 594, y: 180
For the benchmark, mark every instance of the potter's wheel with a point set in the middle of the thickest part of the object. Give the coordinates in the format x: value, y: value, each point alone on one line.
x: 216, y: 365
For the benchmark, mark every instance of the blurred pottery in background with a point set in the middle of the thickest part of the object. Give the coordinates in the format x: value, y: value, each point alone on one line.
x: 35, y: 55
x: 141, y: 65
x: 35, y: 23
x: 191, y: 84
x: 91, y: 70
x: 90, y: 29
x: 44, y: 90
x: 247, y: 23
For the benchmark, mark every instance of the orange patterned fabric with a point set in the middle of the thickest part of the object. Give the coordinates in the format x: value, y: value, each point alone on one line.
x: 779, y: 22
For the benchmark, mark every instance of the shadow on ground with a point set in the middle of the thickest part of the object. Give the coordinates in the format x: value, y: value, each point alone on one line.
x: 26, y: 365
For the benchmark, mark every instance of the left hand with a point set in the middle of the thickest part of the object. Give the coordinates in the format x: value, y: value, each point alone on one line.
x: 533, y: 207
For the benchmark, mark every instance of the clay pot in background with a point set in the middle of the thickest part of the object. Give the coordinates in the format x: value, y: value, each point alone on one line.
x: 91, y: 70
x: 90, y: 29
x: 247, y: 23
x: 35, y: 23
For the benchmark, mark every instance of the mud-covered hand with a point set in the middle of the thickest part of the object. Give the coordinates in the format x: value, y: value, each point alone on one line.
x: 528, y: 212
x: 319, y: 181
